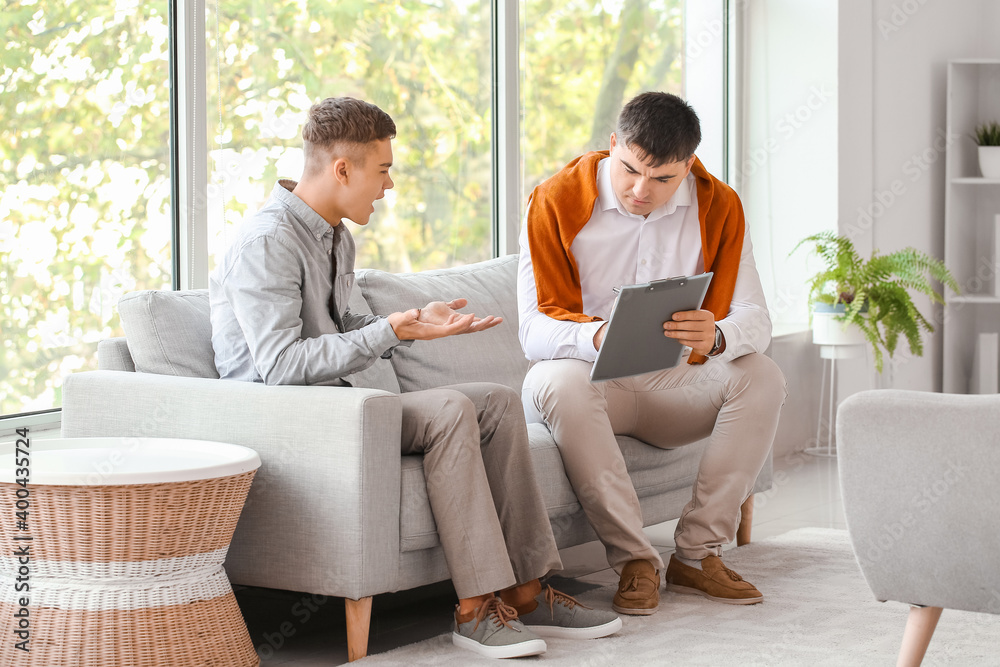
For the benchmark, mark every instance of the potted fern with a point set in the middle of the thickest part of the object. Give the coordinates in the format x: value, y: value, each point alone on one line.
x: 987, y: 136
x: 873, y: 295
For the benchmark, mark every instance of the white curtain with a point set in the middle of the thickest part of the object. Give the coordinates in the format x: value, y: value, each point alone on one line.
x: 786, y: 163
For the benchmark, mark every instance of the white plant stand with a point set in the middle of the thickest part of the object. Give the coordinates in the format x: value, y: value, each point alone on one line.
x: 835, y: 343
x: 827, y: 446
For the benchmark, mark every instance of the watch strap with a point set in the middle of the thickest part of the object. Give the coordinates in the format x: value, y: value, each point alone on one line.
x: 718, y: 342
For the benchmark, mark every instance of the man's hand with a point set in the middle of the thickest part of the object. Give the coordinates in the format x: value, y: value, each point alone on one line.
x: 694, y: 328
x: 599, y: 336
x: 437, y: 320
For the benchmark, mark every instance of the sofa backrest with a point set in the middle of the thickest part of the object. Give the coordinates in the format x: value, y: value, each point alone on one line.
x: 494, y: 355
x: 170, y: 332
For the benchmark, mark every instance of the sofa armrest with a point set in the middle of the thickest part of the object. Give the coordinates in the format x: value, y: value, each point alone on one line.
x: 323, y: 511
x: 918, y: 478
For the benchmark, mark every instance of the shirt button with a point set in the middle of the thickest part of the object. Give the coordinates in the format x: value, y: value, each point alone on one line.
x: 643, y: 262
x: 329, y: 252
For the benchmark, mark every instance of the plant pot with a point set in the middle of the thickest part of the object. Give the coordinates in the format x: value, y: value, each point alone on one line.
x: 989, y: 161
x: 827, y: 330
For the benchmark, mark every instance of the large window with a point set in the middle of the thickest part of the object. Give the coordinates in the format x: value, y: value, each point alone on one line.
x: 581, y: 60
x: 427, y: 64
x: 84, y: 182
x: 85, y: 161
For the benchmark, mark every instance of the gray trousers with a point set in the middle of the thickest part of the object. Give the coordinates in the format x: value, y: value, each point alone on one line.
x: 736, y: 403
x: 489, y: 512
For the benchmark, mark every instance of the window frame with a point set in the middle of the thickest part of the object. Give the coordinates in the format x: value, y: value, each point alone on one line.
x: 506, y: 126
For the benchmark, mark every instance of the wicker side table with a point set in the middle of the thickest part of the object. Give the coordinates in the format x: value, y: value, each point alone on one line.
x: 126, y: 538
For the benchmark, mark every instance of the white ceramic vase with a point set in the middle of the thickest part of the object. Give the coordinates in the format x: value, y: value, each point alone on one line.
x: 827, y: 330
x: 989, y: 161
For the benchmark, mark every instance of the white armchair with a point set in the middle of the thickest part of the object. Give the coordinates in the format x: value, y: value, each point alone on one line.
x: 918, y: 473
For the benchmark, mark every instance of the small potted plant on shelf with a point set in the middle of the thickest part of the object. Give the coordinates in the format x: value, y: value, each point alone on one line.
x: 987, y: 136
x: 872, y: 296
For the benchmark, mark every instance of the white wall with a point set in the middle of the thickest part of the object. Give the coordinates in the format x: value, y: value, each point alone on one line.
x: 891, y: 58
x: 893, y: 61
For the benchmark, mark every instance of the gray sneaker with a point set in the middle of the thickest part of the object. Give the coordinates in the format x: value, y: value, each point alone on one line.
x: 560, y: 616
x: 495, y: 632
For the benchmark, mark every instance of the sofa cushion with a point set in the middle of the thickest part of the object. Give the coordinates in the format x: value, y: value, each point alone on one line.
x: 169, y: 333
x: 417, y: 528
x: 379, y: 375
x: 490, y: 356
x: 113, y: 355
x: 653, y: 472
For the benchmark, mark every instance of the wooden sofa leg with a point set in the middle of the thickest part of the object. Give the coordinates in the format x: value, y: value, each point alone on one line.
x: 920, y: 626
x: 359, y: 616
x: 746, y: 522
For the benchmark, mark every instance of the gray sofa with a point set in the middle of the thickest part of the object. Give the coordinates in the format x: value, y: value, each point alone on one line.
x: 335, y: 509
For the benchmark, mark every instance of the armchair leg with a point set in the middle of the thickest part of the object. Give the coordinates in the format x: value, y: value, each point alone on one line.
x: 920, y: 626
x: 359, y: 616
x: 746, y: 522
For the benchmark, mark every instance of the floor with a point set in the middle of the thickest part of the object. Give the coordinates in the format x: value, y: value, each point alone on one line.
x: 299, y: 630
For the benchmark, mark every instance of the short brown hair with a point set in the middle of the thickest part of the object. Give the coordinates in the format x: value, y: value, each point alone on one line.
x: 337, y: 121
x: 659, y: 127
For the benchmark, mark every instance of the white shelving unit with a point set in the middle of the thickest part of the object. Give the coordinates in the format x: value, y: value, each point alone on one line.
x: 972, y: 207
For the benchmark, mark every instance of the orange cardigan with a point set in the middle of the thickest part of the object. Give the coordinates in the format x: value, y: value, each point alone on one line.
x: 560, y: 207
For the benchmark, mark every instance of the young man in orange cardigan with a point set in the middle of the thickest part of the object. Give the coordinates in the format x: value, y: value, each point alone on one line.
x: 644, y: 211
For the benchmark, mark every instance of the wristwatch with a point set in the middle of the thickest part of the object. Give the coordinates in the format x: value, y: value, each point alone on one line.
x: 718, y: 342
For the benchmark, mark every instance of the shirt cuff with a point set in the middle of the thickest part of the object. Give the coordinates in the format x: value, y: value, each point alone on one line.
x: 585, y: 333
x: 381, y: 338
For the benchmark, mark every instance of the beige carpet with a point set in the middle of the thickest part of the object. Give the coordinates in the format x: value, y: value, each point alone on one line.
x: 817, y: 611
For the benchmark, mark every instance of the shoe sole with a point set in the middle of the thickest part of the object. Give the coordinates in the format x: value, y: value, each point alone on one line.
x: 635, y: 611
x: 686, y: 590
x: 519, y: 650
x: 592, y: 632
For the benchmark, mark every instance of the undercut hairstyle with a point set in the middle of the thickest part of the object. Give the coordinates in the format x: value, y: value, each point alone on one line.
x: 343, y: 126
x: 659, y: 128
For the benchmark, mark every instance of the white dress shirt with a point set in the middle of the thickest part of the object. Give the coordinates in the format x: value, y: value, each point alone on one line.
x: 618, y: 248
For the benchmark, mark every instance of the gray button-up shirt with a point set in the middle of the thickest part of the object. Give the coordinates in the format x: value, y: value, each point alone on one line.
x: 270, y: 295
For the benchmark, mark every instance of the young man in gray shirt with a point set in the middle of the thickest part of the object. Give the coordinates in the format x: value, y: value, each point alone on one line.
x: 279, y: 316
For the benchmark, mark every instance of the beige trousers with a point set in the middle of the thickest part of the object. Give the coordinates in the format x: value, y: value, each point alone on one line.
x: 736, y: 403
x: 489, y: 512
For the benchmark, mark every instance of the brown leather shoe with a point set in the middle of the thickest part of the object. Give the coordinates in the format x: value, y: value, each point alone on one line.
x: 638, y: 589
x: 714, y: 581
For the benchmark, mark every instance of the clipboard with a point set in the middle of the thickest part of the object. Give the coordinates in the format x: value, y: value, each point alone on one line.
x: 634, y: 342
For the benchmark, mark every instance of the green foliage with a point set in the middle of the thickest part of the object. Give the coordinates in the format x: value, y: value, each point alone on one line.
x: 988, y: 134
x: 84, y: 147
x: 84, y: 190
x: 429, y: 66
x: 876, y: 292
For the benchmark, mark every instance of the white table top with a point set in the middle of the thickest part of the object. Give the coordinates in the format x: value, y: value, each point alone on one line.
x: 112, y: 461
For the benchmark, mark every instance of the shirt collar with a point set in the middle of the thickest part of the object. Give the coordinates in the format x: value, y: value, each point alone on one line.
x: 607, y: 199
x: 313, y: 221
